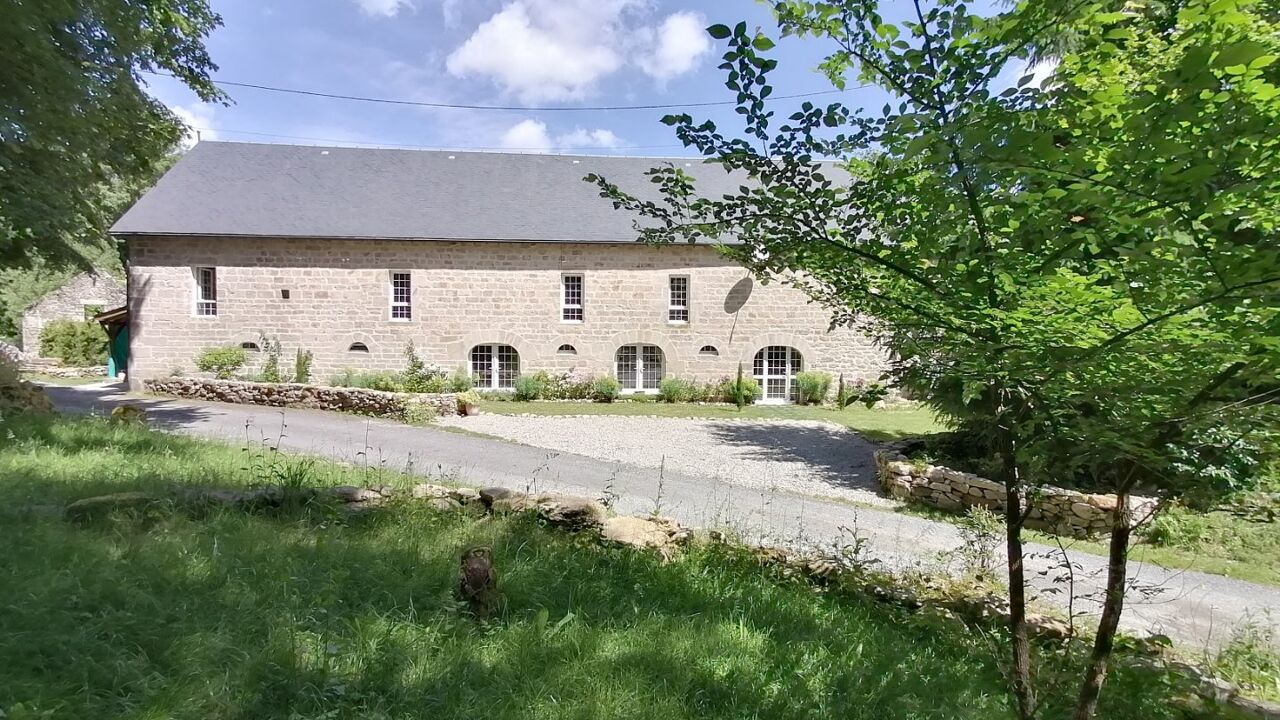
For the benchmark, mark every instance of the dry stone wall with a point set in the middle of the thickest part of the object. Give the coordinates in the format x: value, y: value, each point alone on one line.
x: 355, y: 400
x: 1054, y: 510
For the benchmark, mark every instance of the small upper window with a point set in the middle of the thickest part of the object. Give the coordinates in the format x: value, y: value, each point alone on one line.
x: 401, y: 295
x: 567, y: 350
x: 571, y: 298
x: 206, y: 291
x: 708, y: 350
x: 678, y: 299
x: 358, y: 347
x: 250, y: 346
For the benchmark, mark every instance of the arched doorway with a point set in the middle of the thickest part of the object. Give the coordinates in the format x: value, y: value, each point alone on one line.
x: 639, y: 367
x: 494, y: 366
x: 775, y: 368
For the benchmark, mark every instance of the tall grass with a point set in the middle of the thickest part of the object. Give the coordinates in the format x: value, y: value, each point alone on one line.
x: 316, y: 614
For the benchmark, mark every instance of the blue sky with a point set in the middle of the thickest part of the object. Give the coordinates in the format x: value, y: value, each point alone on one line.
x: 557, y: 53
x: 528, y: 53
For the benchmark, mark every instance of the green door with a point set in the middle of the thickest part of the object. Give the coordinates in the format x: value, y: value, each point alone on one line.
x: 118, y: 358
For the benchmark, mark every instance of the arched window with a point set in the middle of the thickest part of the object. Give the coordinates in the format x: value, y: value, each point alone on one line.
x: 567, y: 349
x: 639, y: 368
x: 358, y: 347
x: 495, y: 367
x: 250, y: 346
x: 775, y: 368
x: 709, y: 351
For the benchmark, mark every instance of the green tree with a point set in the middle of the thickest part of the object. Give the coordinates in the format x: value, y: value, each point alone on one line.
x: 75, y: 121
x: 1084, y: 275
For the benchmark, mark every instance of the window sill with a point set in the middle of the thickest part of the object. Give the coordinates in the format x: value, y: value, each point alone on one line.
x: 572, y: 322
x: 400, y: 320
x: 677, y: 322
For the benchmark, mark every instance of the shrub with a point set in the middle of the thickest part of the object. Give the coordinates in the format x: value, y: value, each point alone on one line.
x: 742, y: 390
x: 465, y: 398
x: 437, y: 384
x: 223, y: 362
x: 812, y: 387
x: 578, y: 385
x: 1179, y: 527
x: 368, y: 380
x: 605, y: 389
x: 302, y: 366
x: 9, y: 362
x: 675, y: 390
x: 417, y: 374
x: 271, y: 366
x: 419, y: 413
x: 528, y: 387
x: 79, y: 344
x: 860, y: 391
x: 460, y: 381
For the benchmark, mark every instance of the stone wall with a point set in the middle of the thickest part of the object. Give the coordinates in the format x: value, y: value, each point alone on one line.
x: 70, y: 302
x: 469, y: 293
x: 1054, y: 510
x: 355, y: 400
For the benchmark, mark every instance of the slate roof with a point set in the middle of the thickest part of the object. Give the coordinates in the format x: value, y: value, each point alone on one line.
x: 255, y: 189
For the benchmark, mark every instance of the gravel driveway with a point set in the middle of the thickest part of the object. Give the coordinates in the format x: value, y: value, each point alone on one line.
x: 798, y: 456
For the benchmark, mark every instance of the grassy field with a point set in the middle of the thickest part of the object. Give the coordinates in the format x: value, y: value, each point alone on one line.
x: 879, y: 424
x: 58, y: 380
x: 1220, y: 543
x: 318, y: 615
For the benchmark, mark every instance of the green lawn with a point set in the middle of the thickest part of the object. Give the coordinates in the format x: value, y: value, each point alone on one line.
x: 313, y: 614
x: 57, y: 380
x: 1225, y: 545
x: 878, y: 424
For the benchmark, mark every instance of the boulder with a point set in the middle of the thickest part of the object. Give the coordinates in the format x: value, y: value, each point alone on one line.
x: 1047, y: 628
x: 490, y: 494
x: 466, y: 496
x: 658, y: 532
x: 92, y: 508
x: 426, y: 491
x: 512, y: 502
x: 573, y: 513
x: 444, y: 504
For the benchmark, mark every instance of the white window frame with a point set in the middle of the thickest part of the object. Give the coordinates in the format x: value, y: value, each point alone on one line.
x: 678, y: 301
x: 573, y: 312
x: 206, y: 303
x: 793, y: 363
x: 405, y: 305
x: 638, y: 384
x: 496, y: 352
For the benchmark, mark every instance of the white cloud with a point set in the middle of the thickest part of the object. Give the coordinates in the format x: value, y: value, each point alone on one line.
x: 527, y: 135
x: 541, y: 50
x: 556, y: 50
x: 385, y: 8
x: 678, y: 44
x: 533, y: 136
x: 198, y: 117
x: 581, y: 138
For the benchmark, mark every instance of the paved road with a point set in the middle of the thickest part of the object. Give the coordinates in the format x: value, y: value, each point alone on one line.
x: 1196, y: 609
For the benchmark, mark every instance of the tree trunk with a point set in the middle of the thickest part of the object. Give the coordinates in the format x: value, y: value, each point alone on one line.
x: 1023, y: 688
x: 1112, y: 606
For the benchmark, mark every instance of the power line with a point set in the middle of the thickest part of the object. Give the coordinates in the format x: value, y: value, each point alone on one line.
x: 430, y: 147
x: 508, y: 108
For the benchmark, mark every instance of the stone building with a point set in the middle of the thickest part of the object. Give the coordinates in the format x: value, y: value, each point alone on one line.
x: 80, y: 298
x: 500, y: 264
